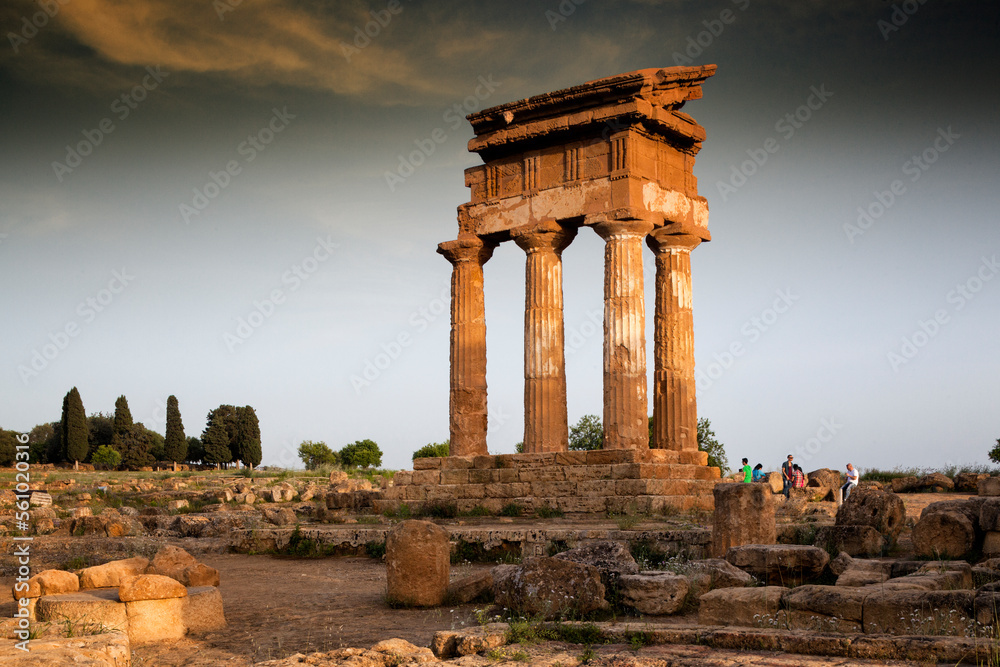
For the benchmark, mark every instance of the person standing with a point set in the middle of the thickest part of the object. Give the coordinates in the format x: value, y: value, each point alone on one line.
x: 747, y: 472
x: 787, y: 475
x: 852, y: 481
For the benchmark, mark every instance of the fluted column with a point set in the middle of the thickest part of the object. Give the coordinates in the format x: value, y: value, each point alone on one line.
x: 467, y: 402
x: 546, y: 427
x: 625, y: 420
x: 675, y: 415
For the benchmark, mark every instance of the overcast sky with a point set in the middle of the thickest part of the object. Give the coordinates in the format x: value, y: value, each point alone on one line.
x: 195, y: 200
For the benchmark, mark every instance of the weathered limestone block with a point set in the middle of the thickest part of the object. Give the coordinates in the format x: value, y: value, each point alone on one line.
x: 612, y: 559
x: 111, y: 575
x: 417, y: 555
x: 853, y: 540
x: 87, y: 611
x: 711, y: 573
x: 943, y: 535
x: 50, y: 582
x: 989, y: 486
x: 937, y: 576
x: 171, y: 561
x: 282, y: 516
x: 826, y: 608
x: 919, y: 612
x: 175, y: 505
x: 968, y: 482
x: 473, y: 587
x: 864, y: 572
x: 882, y: 510
x: 744, y: 514
x: 775, y: 482
x: 747, y: 607
x: 654, y: 593
x: 780, y: 564
x: 904, y: 484
x: 154, y: 620
x: 989, y: 515
x: 823, y: 484
x: 549, y: 587
x: 104, y: 650
x: 991, y: 543
x: 198, y: 575
x: 970, y: 507
x: 150, y: 587
x: 202, y: 610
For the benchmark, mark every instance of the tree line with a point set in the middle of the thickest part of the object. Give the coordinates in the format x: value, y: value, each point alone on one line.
x: 115, y: 441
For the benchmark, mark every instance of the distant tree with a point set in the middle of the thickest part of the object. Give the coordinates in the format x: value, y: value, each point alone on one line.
x: 317, y: 454
x: 134, y: 445
x: 53, y: 451
x: 995, y: 452
x: 587, y: 434
x: 106, y: 457
x: 247, y: 443
x: 216, y: 442
x: 74, y: 427
x: 101, y: 430
x: 708, y: 443
x: 195, y: 450
x: 175, y: 445
x: 519, y: 447
x: 157, y: 445
x: 432, y: 449
x: 8, y: 447
x: 123, y: 416
x: 361, y: 454
x: 38, y: 439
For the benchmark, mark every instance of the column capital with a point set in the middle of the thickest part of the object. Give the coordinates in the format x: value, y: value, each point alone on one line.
x: 467, y: 250
x: 542, y: 236
x: 659, y: 241
x: 609, y: 229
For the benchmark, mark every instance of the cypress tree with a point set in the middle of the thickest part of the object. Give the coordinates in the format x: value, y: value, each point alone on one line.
x: 123, y: 416
x: 74, y: 427
x: 134, y: 447
x: 215, y: 440
x: 248, y: 436
x: 175, y: 448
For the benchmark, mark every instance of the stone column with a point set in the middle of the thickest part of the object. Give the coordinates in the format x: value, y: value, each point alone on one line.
x: 546, y: 427
x: 675, y: 417
x: 467, y: 402
x: 625, y: 420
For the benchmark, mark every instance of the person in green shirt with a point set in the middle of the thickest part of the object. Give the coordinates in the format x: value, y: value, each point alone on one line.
x: 747, y: 472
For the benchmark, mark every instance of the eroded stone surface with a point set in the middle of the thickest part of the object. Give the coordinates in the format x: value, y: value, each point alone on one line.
x: 417, y: 556
x: 744, y: 514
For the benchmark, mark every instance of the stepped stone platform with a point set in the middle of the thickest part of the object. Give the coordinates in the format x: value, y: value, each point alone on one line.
x: 612, y: 481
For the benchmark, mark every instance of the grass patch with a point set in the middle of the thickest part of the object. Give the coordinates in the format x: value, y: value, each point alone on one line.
x: 375, y: 549
x: 300, y: 546
x: 439, y: 509
x: 546, y: 512
x: 512, y: 509
x: 478, y: 510
x: 475, y: 552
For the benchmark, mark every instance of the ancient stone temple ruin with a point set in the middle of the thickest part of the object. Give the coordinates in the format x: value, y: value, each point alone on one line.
x: 615, y: 155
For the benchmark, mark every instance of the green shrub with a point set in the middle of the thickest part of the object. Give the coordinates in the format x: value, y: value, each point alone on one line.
x: 511, y: 509
x: 106, y: 457
x: 432, y: 449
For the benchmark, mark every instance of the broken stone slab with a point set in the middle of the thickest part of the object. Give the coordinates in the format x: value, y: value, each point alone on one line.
x: 919, y: 612
x: 853, y: 540
x: 780, y: 564
x: 49, y: 582
x: 202, y: 610
x: 111, y: 574
x: 825, y: 608
x: 550, y: 588
x: 862, y: 572
x: 468, y: 589
x: 711, y: 573
x: 613, y: 559
x: 882, y: 510
x: 943, y: 534
x: 759, y: 607
x: 654, y: 593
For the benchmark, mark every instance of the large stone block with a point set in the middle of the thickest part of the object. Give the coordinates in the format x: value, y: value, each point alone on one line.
x: 155, y: 620
x: 826, y: 608
x: 417, y: 555
x: 744, y: 514
x: 588, y: 472
x: 970, y: 507
x: 853, y: 540
x: 50, y: 582
x: 171, y: 561
x: 711, y: 573
x: 600, y: 487
x: 780, y: 564
x: 989, y: 514
x: 612, y: 559
x: 746, y: 607
x: 424, y: 477
x: 202, y: 609
x: 150, y: 587
x: 550, y: 588
x: 654, y: 593
x: 989, y: 486
x: 882, y: 510
x: 111, y: 575
x: 943, y: 535
x: 87, y: 612
x: 919, y: 612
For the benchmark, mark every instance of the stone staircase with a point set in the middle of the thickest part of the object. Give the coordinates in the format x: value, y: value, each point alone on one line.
x: 601, y: 481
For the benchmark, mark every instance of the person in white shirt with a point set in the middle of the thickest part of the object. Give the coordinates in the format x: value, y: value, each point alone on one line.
x: 852, y: 481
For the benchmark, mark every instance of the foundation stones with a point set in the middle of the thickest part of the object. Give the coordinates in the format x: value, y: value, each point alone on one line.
x: 111, y: 575
x: 744, y: 514
x: 655, y: 593
x: 943, y: 535
x: 752, y: 607
x: 882, y: 510
x: 202, y: 609
x: 550, y: 588
x: 417, y: 555
x: 780, y: 564
x: 853, y: 540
